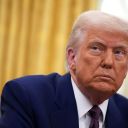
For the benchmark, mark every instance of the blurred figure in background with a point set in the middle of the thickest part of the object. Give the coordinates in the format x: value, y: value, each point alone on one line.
x: 97, y: 57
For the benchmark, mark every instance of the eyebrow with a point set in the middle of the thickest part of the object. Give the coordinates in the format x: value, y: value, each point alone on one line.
x: 101, y: 42
x: 96, y: 42
x: 122, y: 46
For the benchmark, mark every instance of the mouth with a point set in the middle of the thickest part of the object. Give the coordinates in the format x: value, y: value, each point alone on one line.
x: 105, y: 78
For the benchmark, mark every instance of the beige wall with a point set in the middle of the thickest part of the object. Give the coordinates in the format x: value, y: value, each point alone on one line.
x: 33, y: 35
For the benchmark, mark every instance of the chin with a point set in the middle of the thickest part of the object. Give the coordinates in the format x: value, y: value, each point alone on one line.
x: 104, y: 88
x: 99, y: 95
x: 98, y: 99
x: 105, y: 93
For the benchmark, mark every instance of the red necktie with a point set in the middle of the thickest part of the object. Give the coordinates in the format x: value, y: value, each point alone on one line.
x: 95, y: 113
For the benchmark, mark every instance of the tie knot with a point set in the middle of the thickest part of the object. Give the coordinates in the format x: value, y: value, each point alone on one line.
x: 95, y: 112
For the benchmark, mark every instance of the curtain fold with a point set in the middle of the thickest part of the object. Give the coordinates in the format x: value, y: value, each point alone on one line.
x: 33, y: 35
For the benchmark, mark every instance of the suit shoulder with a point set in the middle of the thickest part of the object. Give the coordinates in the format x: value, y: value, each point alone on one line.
x: 34, y: 82
x: 120, y: 100
x: 37, y: 78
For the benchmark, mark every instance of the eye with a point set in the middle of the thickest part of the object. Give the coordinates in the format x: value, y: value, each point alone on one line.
x: 96, y: 49
x: 120, y: 53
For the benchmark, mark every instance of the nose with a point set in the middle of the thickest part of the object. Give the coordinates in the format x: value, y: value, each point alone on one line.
x: 107, y: 61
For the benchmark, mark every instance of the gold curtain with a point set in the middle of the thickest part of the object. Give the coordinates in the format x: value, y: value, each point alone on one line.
x: 33, y: 35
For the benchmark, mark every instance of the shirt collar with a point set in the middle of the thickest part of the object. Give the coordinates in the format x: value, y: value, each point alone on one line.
x: 83, y: 103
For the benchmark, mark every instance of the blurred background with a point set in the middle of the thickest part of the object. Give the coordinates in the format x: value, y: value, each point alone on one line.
x: 34, y: 34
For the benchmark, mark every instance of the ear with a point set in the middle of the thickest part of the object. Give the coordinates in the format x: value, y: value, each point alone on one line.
x: 70, y: 55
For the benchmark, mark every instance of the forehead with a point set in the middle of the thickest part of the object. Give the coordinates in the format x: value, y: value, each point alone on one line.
x: 110, y: 37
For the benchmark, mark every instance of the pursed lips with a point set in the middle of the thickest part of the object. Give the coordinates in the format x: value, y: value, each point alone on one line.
x: 105, y: 77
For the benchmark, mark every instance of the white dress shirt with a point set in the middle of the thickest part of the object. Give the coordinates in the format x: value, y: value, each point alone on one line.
x: 84, y: 105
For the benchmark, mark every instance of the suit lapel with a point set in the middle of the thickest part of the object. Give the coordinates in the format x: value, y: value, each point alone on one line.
x: 114, y: 118
x: 65, y: 110
x: 64, y: 119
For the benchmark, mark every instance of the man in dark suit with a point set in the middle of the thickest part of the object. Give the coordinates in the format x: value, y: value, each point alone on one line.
x: 97, y: 57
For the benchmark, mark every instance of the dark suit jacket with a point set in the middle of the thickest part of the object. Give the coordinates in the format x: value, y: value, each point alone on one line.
x: 48, y: 102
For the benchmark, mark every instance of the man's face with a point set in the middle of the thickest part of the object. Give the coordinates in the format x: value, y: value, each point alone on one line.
x: 100, y: 64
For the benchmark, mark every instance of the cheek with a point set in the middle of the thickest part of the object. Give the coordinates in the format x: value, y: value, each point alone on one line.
x: 121, y: 68
x: 121, y: 72
x: 86, y: 67
x: 89, y: 63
